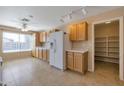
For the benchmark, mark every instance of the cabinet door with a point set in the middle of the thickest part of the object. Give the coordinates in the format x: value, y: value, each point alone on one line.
x: 85, y: 62
x: 78, y: 62
x: 44, y: 55
x: 37, y: 39
x: 73, y: 32
x: 69, y: 59
x: 33, y: 52
x: 37, y: 52
x: 47, y: 51
x: 82, y: 31
x: 43, y: 36
x: 40, y: 53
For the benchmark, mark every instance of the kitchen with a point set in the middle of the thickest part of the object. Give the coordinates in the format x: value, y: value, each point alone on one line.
x: 78, y: 32
x: 66, y: 53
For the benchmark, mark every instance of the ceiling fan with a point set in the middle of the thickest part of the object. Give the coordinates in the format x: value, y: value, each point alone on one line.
x: 25, y: 23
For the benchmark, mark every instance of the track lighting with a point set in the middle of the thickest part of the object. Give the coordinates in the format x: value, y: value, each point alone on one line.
x: 62, y: 20
x: 69, y: 15
x: 84, y: 11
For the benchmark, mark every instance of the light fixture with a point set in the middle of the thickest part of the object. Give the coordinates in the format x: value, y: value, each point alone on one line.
x: 107, y: 22
x: 84, y: 11
x: 24, y: 27
x: 62, y: 20
x: 25, y: 22
x: 69, y: 15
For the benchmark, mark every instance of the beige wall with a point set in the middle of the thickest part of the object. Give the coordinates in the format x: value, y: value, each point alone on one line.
x: 12, y: 55
x: 104, y: 30
x: 88, y: 44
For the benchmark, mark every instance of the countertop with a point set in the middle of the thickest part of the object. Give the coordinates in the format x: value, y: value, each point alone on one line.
x: 80, y: 51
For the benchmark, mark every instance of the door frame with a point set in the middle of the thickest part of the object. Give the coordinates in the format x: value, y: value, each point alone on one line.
x: 121, y: 45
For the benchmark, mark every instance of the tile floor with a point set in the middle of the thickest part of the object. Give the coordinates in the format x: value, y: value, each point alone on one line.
x: 34, y: 72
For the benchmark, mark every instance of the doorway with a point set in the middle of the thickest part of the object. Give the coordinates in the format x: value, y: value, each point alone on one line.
x: 108, y: 46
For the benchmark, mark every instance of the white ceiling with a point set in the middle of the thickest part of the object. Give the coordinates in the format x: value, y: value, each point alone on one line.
x: 45, y: 17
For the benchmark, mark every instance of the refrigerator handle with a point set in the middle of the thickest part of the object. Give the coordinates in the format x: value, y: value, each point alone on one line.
x: 53, y: 45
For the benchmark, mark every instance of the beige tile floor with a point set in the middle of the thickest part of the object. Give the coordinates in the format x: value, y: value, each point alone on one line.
x: 34, y: 72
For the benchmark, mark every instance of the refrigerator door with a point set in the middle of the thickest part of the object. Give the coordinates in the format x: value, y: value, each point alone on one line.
x: 56, y: 49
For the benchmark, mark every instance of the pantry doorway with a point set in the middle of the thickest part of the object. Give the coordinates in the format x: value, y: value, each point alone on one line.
x: 108, y: 46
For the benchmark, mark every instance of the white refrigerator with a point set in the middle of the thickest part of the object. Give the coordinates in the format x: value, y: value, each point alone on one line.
x: 59, y: 43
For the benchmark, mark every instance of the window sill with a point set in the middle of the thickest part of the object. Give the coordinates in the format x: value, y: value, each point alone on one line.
x: 14, y: 51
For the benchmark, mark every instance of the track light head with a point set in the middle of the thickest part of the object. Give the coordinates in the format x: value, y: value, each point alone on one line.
x: 84, y: 11
x: 62, y: 20
x: 69, y: 16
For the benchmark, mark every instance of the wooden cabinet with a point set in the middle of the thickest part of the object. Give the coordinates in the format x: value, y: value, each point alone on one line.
x: 37, y: 39
x: 33, y: 52
x: 73, y: 32
x: 43, y: 37
x: 40, y: 37
x: 69, y: 58
x: 40, y: 53
x: 36, y: 52
x: 82, y: 33
x: 44, y: 54
x: 78, y: 31
x: 77, y: 61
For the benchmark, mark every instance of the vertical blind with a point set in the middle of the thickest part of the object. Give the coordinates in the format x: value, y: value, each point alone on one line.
x: 16, y: 42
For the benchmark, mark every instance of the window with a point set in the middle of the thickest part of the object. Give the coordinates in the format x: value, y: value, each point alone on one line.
x: 16, y: 42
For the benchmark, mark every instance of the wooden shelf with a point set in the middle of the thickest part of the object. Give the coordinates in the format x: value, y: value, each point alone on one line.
x: 100, y: 42
x: 106, y: 61
x: 113, y: 41
x: 113, y: 47
x: 99, y: 47
x: 113, y: 51
x: 101, y: 51
x: 107, y: 49
x: 107, y: 56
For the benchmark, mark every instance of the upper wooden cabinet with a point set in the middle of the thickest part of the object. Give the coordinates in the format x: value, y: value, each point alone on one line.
x: 73, y: 32
x: 43, y: 37
x: 37, y: 39
x: 82, y: 33
x: 78, y: 31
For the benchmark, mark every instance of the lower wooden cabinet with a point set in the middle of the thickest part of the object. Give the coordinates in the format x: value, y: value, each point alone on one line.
x: 77, y: 61
x: 36, y: 52
x: 70, y: 63
x: 33, y: 52
x: 40, y: 53
x: 44, y: 54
